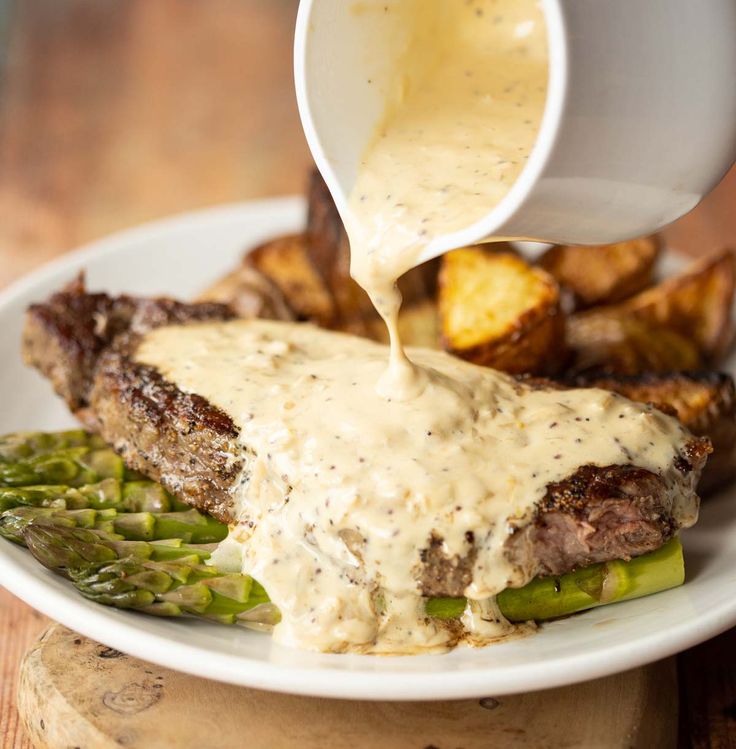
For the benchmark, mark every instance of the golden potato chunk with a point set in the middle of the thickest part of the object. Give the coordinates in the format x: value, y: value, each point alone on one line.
x: 620, y: 344
x: 286, y: 263
x: 705, y: 402
x: 496, y: 310
x: 696, y: 305
x: 603, y: 274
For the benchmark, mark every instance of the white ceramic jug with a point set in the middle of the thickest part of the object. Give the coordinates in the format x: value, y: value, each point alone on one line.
x: 639, y: 124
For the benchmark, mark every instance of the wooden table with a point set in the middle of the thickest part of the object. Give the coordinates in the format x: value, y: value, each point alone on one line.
x: 113, y: 112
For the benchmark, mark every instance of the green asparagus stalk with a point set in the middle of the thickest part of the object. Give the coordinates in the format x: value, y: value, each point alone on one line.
x: 189, y: 526
x: 72, y: 466
x: 113, y: 493
x: 101, y: 571
x: 14, y: 522
x: 552, y: 597
x: 173, y: 589
x: 64, y: 549
x: 27, y: 445
x: 73, y: 470
x: 73, y: 458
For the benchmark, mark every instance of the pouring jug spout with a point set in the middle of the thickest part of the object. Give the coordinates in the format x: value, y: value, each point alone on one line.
x: 639, y: 121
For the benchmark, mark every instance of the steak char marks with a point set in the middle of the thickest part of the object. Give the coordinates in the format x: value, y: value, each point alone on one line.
x: 84, y: 344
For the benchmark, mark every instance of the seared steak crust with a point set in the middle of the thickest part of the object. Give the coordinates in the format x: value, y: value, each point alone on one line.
x: 83, y: 343
x: 65, y: 336
x: 603, y: 513
x: 596, y: 515
x: 176, y: 438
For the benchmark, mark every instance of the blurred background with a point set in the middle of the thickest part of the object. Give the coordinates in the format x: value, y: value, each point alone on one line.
x: 114, y: 112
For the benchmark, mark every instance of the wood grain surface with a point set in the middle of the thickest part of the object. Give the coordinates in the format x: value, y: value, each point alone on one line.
x: 76, y: 692
x: 113, y: 112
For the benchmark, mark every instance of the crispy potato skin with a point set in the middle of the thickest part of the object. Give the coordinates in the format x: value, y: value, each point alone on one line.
x: 696, y: 305
x: 329, y: 251
x: 609, y: 343
x: 603, y: 274
x: 535, y: 345
x: 286, y: 262
x: 498, y: 311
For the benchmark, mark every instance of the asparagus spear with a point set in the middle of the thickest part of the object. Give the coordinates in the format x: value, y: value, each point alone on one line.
x: 121, y: 495
x: 189, y: 525
x: 13, y: 522
x: 73, y: 470
x: 609, y: 582
x: 86, y: 557
x: 102, y: 572
x: 72, y: 466
x: 25, y: 445
x: 64, y: 549
x: 73, y: 458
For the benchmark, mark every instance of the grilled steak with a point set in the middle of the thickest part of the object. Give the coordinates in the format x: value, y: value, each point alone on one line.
x: 596, y: 515
x: 84, y: 343
x: 79, y: 342
x: 65, y: 337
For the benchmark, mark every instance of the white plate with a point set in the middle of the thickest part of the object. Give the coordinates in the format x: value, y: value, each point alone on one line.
x: 182, y: 255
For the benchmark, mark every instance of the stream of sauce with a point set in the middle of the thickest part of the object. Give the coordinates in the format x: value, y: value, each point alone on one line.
x: 351, y: 468
x: 461, y: 119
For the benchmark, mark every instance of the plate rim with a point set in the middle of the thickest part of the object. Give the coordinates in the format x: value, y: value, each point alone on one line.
x: 118, y: 629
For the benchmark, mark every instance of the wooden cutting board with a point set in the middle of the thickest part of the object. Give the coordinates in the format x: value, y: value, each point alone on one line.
x: 77, y: 693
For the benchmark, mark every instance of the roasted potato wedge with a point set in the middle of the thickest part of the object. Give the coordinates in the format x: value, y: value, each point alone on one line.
x: 705, y: 402
x: 329, y: 251
x: 696, y: 304
x: 496, y: 310
x: 624, y: 345
x: 286, y: 263
x: 603, y: 274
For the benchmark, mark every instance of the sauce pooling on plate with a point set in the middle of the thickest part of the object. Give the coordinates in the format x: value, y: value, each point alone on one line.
x: 461, y: 119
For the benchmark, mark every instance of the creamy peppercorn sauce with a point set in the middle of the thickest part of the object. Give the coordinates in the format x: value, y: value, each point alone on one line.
x: 461, y: 118
x: 351, y: 468
x: 343, y: 487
